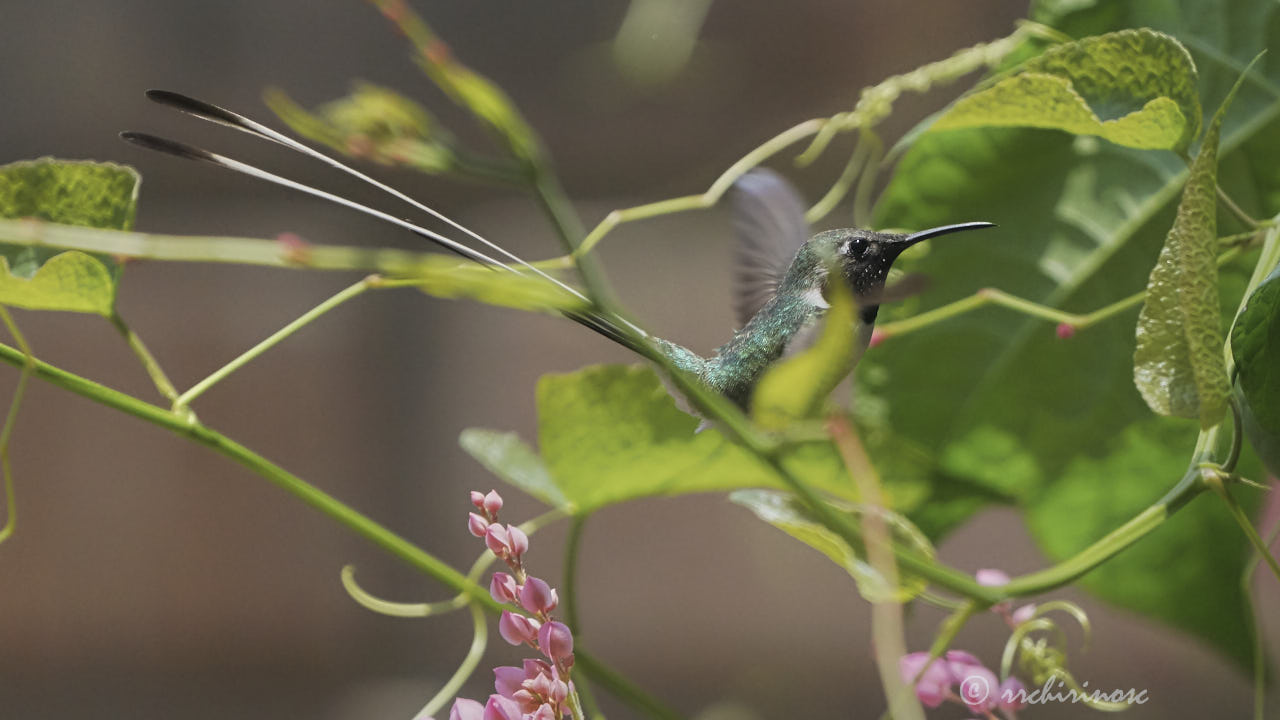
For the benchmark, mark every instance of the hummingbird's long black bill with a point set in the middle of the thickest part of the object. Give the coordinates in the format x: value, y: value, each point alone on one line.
x: 916, y: 237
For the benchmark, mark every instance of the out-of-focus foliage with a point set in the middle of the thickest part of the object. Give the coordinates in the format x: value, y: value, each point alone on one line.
x: 1255, y: 344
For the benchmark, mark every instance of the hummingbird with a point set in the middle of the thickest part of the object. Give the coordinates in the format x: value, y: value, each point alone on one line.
x: 782, y: 277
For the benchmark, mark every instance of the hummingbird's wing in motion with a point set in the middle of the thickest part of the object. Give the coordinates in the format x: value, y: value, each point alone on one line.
x: 768, y: 219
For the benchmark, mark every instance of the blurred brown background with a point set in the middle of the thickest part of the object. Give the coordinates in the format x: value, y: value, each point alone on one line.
x: 150, y: 578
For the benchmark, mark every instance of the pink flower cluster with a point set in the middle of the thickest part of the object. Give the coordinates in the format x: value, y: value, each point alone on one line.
x: 541, y: 688
x: 960, y: 677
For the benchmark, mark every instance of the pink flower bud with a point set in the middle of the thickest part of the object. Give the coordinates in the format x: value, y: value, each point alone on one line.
x: 991, y: 578
x: 1066, y: 330
x: 555, y: 641
x: 492, y: 503
x: 877, y: 336
x: 544, y: 712
x: 500, y: 708
x: 496, y: 539
x: 465, y: 709
x: 959, y: 659
x: 477, y: 499
x: 1024, y: 613
x: 477, y: 525
x: 934, y: 683
x: 519, y: 543
x: 503, y: 588
x: 534, y: 667
x: 540, y: 685
x: 559, y: 691
x: 1013, y: 694
x: 978, y: 688
x: 527, y: 701
x: 537, y: 597
x: 518, y: 629
x: 507, y: 680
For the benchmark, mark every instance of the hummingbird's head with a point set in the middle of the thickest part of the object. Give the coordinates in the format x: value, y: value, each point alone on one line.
x: 865, y: 256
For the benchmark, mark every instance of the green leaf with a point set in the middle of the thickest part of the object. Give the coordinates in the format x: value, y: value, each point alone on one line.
x: 1187, y: 572
x: 1081, y: 223
x: 1133, y: 87
x: 1255, y: 345
x: 612, y: 433
x: 508, y: 457
x: 100, y: 195
x: 797, y: 387
x: 446, y: 277
x: 1178, y: 365
x: 784, y: 512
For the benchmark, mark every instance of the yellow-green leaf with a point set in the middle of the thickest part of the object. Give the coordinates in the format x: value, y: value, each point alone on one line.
x: 782, y: 511
x: 798, y: 386
x: 374, y: 123
x: 1133, y: 87
x: 1178, y: 364
x: 99, y: 195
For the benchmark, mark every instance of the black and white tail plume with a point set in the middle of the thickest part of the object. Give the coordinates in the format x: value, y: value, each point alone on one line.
x: 608, y: 327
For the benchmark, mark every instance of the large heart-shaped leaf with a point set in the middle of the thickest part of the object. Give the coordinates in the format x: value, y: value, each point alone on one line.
x: 1133, y: 87
x: 100, y: 195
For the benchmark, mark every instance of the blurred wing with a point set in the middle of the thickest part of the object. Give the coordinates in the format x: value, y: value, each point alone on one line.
x: 768, y: 219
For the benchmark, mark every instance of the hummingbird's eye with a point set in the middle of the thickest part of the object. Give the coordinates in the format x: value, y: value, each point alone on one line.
x: 854, y: 247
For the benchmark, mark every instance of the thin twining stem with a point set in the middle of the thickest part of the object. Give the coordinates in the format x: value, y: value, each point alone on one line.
x: 994, y: 296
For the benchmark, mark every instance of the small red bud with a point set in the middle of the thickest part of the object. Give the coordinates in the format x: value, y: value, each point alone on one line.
x: 293, y: 249
x: 1066, y: 330
x: 477, y: 499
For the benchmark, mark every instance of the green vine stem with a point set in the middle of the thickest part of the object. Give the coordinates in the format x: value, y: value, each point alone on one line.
x: 278, y: 476
x: 212, y: 249
x: 392, y: 608
x: 622, y: 688
x: 1259, y: 644
x: 28, y: 365
x: 181, y: 402
x: 1218, y: 483
x: 479, y: 640
x: 149, y: 362
x: 888, y: 640
x: 1000, y: 298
